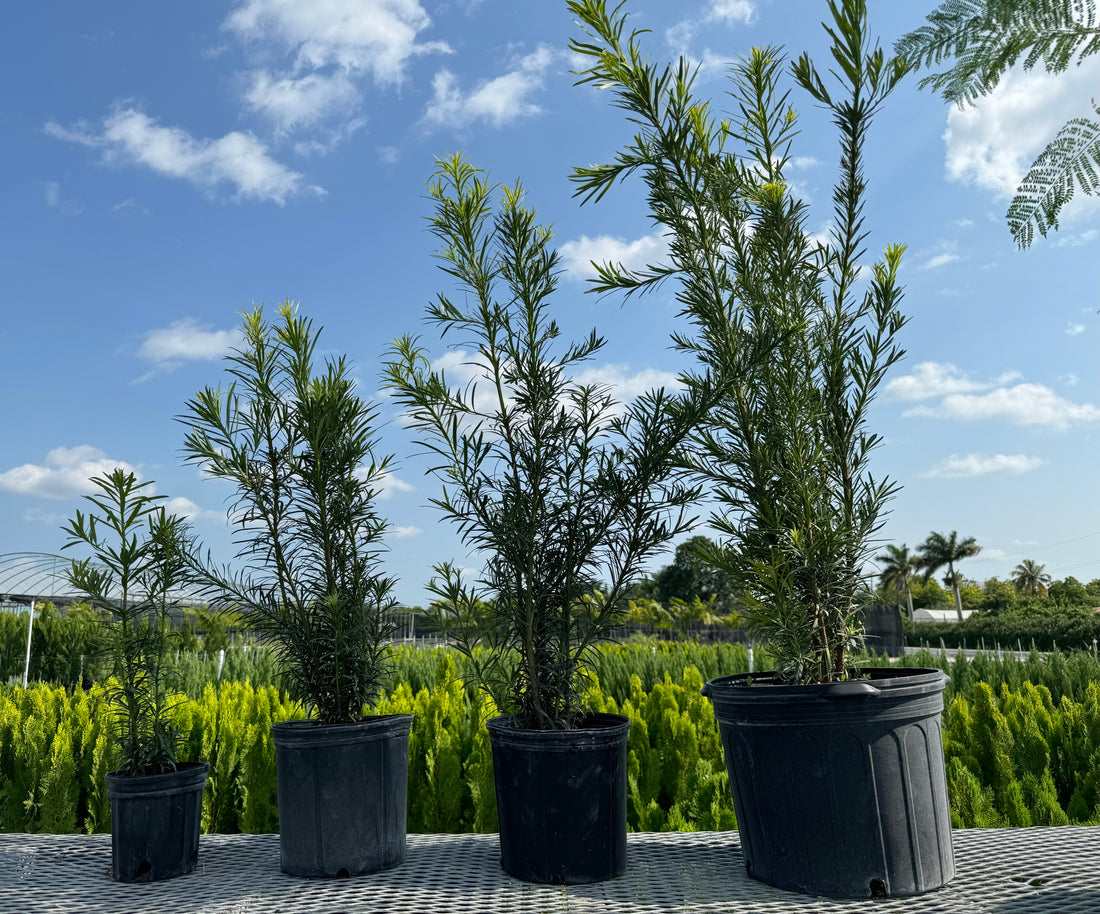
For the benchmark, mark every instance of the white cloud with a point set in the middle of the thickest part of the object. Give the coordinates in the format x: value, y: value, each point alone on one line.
x: 186, y: 340
x: 964, y: 223
x: 374, y: 36
x: 498, y: 101
x: 992, y: 143
x: 64, y: 474
x: 391, y: 155
x: 290, y: 102
x: 1077, y: 239
x: 1074, y: 329
x: 743, y: 11
x: 939, y: 260
x: 623, y: 385
x: 402, y: 533
x: 1021, y: 404
x: 57, y: 199
x: 237, y: 159
x: 184, y: 507
x: 130, y: 207
x: 728, y: 12
x: 386, y: 484
x: 577, y: 256
x: 943, y: 252
x: 957, y: 467
x: 931, y: 379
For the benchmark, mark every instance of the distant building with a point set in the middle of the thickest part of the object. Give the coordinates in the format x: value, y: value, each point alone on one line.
x: 940, y: 615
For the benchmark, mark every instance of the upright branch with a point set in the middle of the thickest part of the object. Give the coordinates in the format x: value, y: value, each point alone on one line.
x: 298, y: 447
x: 786, y: 327
x: 139, y: 561
x: 548, y: 480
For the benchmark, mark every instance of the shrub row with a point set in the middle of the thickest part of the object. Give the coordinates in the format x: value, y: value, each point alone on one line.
x: 1018, y: 758
x: 1063, y: 675
x: 1015, y: 756
x: 1058, y: 629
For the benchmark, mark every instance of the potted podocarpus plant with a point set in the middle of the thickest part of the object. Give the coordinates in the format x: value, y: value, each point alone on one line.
x: 139, y: 562
x: 837, y: 771
x: 556, y: 490
x: 298, y: 448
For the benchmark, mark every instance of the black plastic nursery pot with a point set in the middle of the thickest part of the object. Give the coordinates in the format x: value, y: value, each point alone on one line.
x: 561, y: 800
x: 155, y: 822
x: 839, y: 789
x: 342, y: 795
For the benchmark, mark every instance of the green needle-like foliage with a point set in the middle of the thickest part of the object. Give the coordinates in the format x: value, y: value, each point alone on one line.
x: 299, y: 450
x: 781, y: 322
x: 139, y: 560
x: 549, y: 480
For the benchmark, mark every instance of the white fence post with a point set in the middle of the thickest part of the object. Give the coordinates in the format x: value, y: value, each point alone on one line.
x: 30, y: 627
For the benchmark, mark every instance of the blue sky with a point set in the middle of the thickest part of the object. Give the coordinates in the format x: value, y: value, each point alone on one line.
x: 167, y: 165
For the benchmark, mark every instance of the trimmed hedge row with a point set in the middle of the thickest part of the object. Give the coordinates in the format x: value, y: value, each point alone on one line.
x: 1015, y: 755
x: 1059, y: 628
x: 54, y: 751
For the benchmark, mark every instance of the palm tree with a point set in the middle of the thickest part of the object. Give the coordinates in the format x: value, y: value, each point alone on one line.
x: 898, y: 565
x: 939, y: 550
x: 1030, y: 578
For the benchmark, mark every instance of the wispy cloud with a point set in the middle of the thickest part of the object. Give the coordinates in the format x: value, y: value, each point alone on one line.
x: 1021, y: 404
x: 237, y: 159
x: 378, y: 37
x: 941, y: 254
x: 387, y: 485
x: 578, y: 256
x: 57, y: 199
x: 1074, y: 329
x: 963, y: 398
x: 934, y: 379
x: 961, y: 467
x: 186, y: 340
x: 496, y: 101
x: 323, y: 54
x: 66, y: 472
x: 682, y: 35
x: 289, y: 101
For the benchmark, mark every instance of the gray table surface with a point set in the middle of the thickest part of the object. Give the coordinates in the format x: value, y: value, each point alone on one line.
x: 1007, y: 871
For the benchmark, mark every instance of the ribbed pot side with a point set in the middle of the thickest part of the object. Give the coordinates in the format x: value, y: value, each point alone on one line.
x: 561, y: 800
x: 839, y: 789
x: 342, y: 793
x: 155, y: 822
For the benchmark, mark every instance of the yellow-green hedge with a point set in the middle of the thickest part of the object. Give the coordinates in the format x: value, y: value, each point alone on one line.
x: 1014, y: 757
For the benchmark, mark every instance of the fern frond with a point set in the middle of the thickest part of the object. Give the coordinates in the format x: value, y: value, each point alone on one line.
x: 1071, y: 162
x: 987, y: 37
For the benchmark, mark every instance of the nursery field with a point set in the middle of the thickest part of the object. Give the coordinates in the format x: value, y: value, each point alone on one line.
x: 1022, y: 741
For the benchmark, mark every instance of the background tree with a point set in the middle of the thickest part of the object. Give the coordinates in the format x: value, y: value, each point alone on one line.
x: 1030, y: 578
x: 690, y: 576
x: 898, y: 565
x: 939, y: 550
x: 1069, y: 592
x: 987, y: 37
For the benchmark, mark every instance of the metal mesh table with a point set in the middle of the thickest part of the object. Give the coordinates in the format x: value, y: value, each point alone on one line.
x: 1002, y: 871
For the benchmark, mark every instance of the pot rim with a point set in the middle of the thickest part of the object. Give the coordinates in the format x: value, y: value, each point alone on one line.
x: 880, y: 682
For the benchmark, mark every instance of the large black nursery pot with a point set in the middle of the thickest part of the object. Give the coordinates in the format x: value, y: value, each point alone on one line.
x: 561, y: 800
x: 342, y: 794
x: 155, y: 822
x: 839, y: 789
